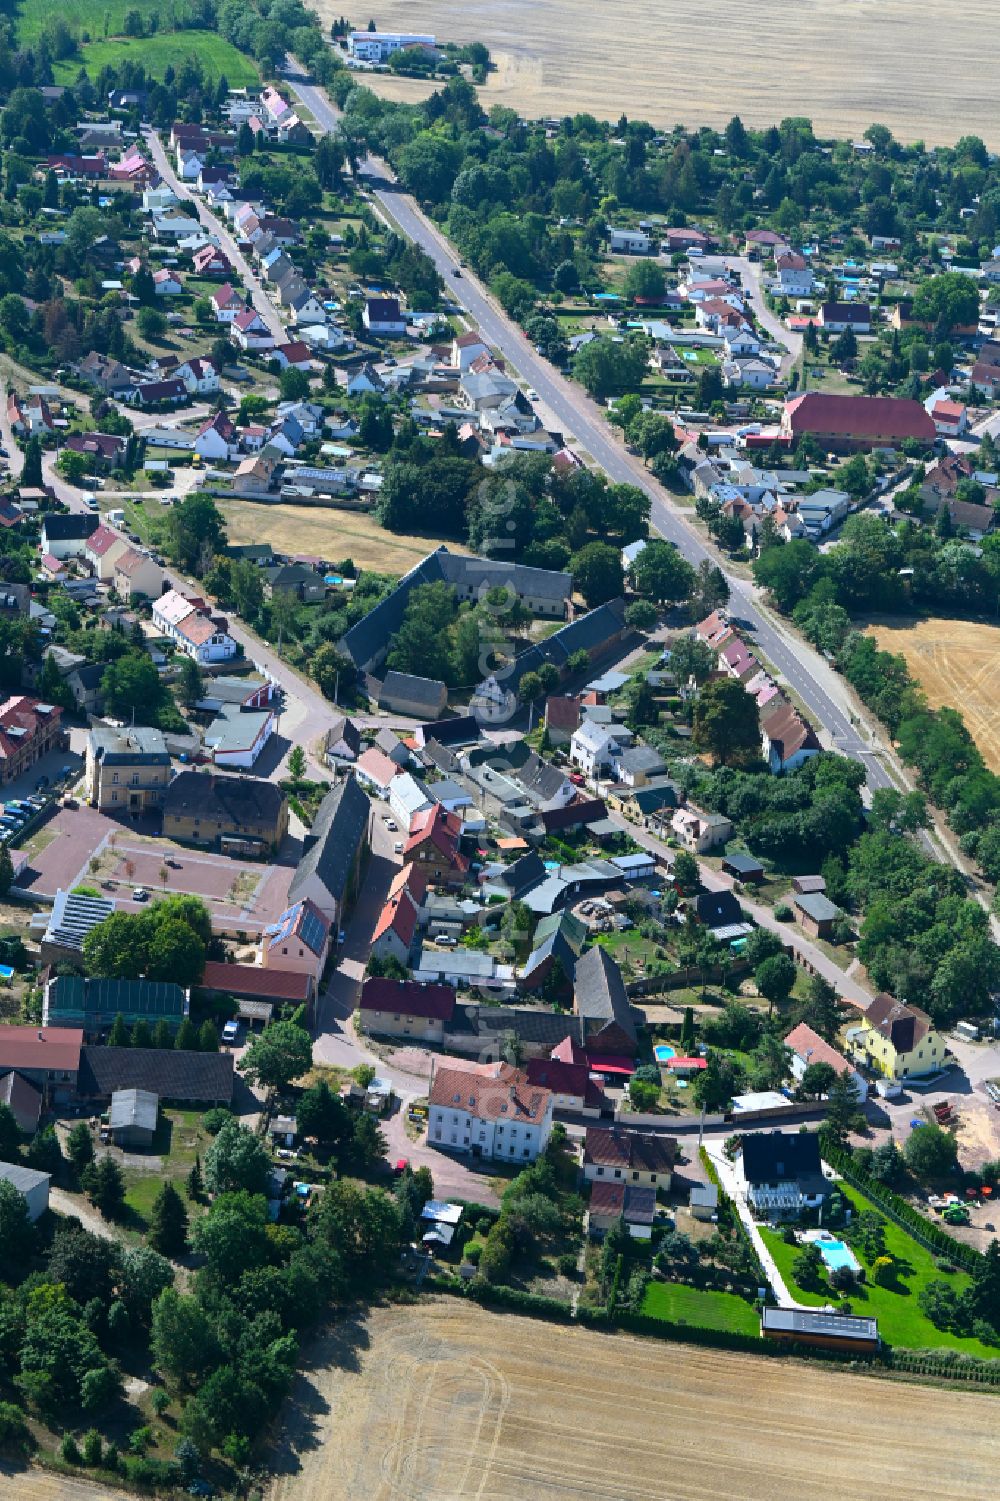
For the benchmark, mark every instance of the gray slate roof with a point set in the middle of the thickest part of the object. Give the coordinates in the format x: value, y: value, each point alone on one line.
x: 599, y: 990
x: 339, y: 827
x: 199, y: 1077
x: 368, y: 640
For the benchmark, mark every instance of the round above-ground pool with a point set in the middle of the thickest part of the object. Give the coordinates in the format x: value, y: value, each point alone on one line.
x: 663, y: 1052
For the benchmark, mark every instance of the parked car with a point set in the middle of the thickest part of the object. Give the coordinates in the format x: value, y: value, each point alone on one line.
x: 392, y: 825
x: 447, y: 941
x: 397, y: 848
x: 140, y: 894
x: 230, y: 1031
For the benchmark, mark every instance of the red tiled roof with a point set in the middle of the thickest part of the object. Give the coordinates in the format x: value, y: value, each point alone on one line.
x: 409, y: 998
x: 616, y: 1147
x: 399, y: 915
x: 380, y: 767
x: 41, y: 1047
x: 21, y: 713
x: 562, y: 713
x: 254, y: 981
x: 561, y: 1078
x: 412, y: 878
x: 102, y: 541
x: 496, y: 1091
x: 886, y: 418
x: 807, y: 1043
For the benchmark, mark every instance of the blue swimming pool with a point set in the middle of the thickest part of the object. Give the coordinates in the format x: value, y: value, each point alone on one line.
x: 663, y: 1052
x: 836, y: 1253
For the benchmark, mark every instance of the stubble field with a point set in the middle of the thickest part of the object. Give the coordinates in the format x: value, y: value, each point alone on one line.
x: 957, y: 663
x: 327, y: 533
x: 445, y: 1401
x: 842, y: 63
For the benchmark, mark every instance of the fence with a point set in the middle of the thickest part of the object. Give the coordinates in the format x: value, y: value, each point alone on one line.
x: 922, y: 1230
x: 688, y: 975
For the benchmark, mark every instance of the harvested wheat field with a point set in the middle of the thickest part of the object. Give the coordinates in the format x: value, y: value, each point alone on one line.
x: 957, y: 664
x: 444, y: 1401
x: 842, y: 63
x: 46, y: 1485
x: 327, y: 533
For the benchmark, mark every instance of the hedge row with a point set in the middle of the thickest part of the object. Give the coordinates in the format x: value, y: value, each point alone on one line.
x: 947, y: 1364
x: 496, y: 1295
x: 923, y: 1230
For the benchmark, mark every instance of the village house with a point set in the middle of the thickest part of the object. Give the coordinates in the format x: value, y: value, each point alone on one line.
x: 298, y: 940
x: 780, y: 1173
x: 136, y: 576
x: 29, y: 729
x: 195, y: 633
x: 381, y: 315
x: 838, y: 317
x: 127, y: 770
x: 488, y: 1110
x: 816, y: 914
x: 405, y: 1008
x: 615, y: 1154
x: 601, y: 1001
x: 102, y: 549
x: 698, y: 831
x: 234, y: 814
x: 897, y: 1040
x: 433, y: 846
x: 807, y: 1048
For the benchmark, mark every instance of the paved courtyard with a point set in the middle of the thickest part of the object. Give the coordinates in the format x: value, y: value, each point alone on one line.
x: 243, y: 895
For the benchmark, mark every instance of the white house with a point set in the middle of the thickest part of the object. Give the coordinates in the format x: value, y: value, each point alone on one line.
x: 741, y: 341
x: 795, y: 276
x: 407, y: 798
x: 950, y: 418
x: 698, y: 831
x: 199, y: 375
x: 780, y: 1173
x: 382, y: 315
x: 629, y: 242
x: 195, y: 633
x: 227, y: 304
x: 594, y: 747
x: 808, y: 1047
x: 214, y: 437
x: 250, y: 331
x: 613, y: 1154
x: 489, y: 1110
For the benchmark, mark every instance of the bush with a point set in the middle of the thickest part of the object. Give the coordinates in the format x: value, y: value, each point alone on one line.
x: 214, y: 1120
x: 68, y: 1450
x: 783, y: 912
x: 884, y: 1271
x: 15, y: 1435
x: 473, y: 1253
x: 92, y: 1450
x: 567, y: 1265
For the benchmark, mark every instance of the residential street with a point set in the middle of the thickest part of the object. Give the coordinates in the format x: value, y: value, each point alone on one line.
x: 808, y: 676
x: 216, y: 228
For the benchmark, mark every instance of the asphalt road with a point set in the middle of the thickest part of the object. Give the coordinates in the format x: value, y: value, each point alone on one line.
x: 806, y: 674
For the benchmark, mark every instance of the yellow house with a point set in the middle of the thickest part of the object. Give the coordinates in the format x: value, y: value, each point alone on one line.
x: 897, y: 1040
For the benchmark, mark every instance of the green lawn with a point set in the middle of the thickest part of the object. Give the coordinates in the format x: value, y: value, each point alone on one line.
x: 99, y: 18
x: 157, y: 53
x: 900, y: 1319
x: 180, y: 1137
x: 677, y: 1304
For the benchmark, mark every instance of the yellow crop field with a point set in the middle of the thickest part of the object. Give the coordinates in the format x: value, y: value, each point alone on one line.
x: 842, y: 63
x: 957, y: 664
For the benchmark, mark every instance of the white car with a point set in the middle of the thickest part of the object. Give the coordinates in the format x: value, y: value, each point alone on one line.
x: 230, y: 1031
x: 397, y: 848
x: 392, y: 825
x: 532, y: 394
x: 140, y: 894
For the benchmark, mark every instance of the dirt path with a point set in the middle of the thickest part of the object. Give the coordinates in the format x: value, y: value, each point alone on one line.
x: 445, y: 1401
x: 74, y: 1204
